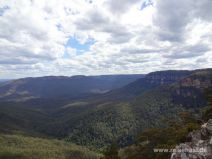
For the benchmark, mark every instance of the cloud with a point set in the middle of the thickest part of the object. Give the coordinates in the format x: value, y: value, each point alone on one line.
x: 3, y: 10
x: 202, y: 9
x: 120, y: 6
x: 146, y: 3
x: 116, y: 36
x: 25, y: 32
x: 172, y: 17
x: 92, y: 20
x: 188, y: 51
x: 132, y: 50
x: 97, y: 21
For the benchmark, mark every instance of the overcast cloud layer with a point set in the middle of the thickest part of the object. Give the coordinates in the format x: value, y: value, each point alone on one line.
x: 111, y: 36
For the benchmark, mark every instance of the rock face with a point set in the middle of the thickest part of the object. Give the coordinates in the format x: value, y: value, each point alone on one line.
x: 189, y: 91
x: 199, y: 147
x: 166, y: 77
x: 201, y: 83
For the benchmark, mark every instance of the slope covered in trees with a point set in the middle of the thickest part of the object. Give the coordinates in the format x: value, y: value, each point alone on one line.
x: 176, y: 131
x: 22, y: 147
x: 98, y: 121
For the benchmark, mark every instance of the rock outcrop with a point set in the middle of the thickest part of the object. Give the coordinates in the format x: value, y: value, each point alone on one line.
x: 166, y: 77
x: 198, y: 82
x: 199, y: 146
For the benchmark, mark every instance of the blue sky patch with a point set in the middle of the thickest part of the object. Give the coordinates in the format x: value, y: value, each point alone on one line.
x: 146, y: 4
x: 80, y: 48
x: 59, y: 27
x: 3, y: 10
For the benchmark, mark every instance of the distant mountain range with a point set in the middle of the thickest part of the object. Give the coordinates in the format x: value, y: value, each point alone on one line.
x: 4, y: 80
x: 94, y: 111
x: 151, y: 80
x: 63, y: 87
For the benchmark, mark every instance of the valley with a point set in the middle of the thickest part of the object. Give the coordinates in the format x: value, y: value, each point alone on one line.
x: 95, y: 112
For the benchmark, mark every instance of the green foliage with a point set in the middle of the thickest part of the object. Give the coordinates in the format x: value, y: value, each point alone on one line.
x: 162, y: 138
x: 96, y: 122
x: 91, y: 123
x: 20, y: 147
x: 112, y: 152
x: 208, y: 110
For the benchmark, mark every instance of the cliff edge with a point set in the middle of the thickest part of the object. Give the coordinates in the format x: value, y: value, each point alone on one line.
x: 199, y: 145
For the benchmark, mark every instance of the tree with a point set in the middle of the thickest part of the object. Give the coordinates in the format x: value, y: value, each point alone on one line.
x: 111, y: 152
x: 208, y: 112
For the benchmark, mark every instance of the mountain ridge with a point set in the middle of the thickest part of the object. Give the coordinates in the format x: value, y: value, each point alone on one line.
x: 97, y: 121
x: 62, y: 86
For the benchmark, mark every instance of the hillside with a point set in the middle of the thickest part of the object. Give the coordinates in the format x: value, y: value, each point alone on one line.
x: 4, y: 80
x: 62, y: 87
x: 150, y: 81
x: 188, y: 137
x: 123, y: 120
x: 98, y: 121
x: 20, y: 147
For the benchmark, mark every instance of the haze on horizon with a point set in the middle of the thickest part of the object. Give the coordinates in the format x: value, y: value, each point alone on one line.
x: 94, y: 37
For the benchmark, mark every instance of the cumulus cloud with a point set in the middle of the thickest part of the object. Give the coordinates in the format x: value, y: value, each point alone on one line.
x: 172, y: 17
x: 132, y: 50
x: 128, y: 36
x: 97, y: 21
x: 25, y: 32
x: 188, y: 51
x: 120, y: 6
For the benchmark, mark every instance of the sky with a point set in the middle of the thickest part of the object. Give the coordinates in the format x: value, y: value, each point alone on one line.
x: 94, y: 37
